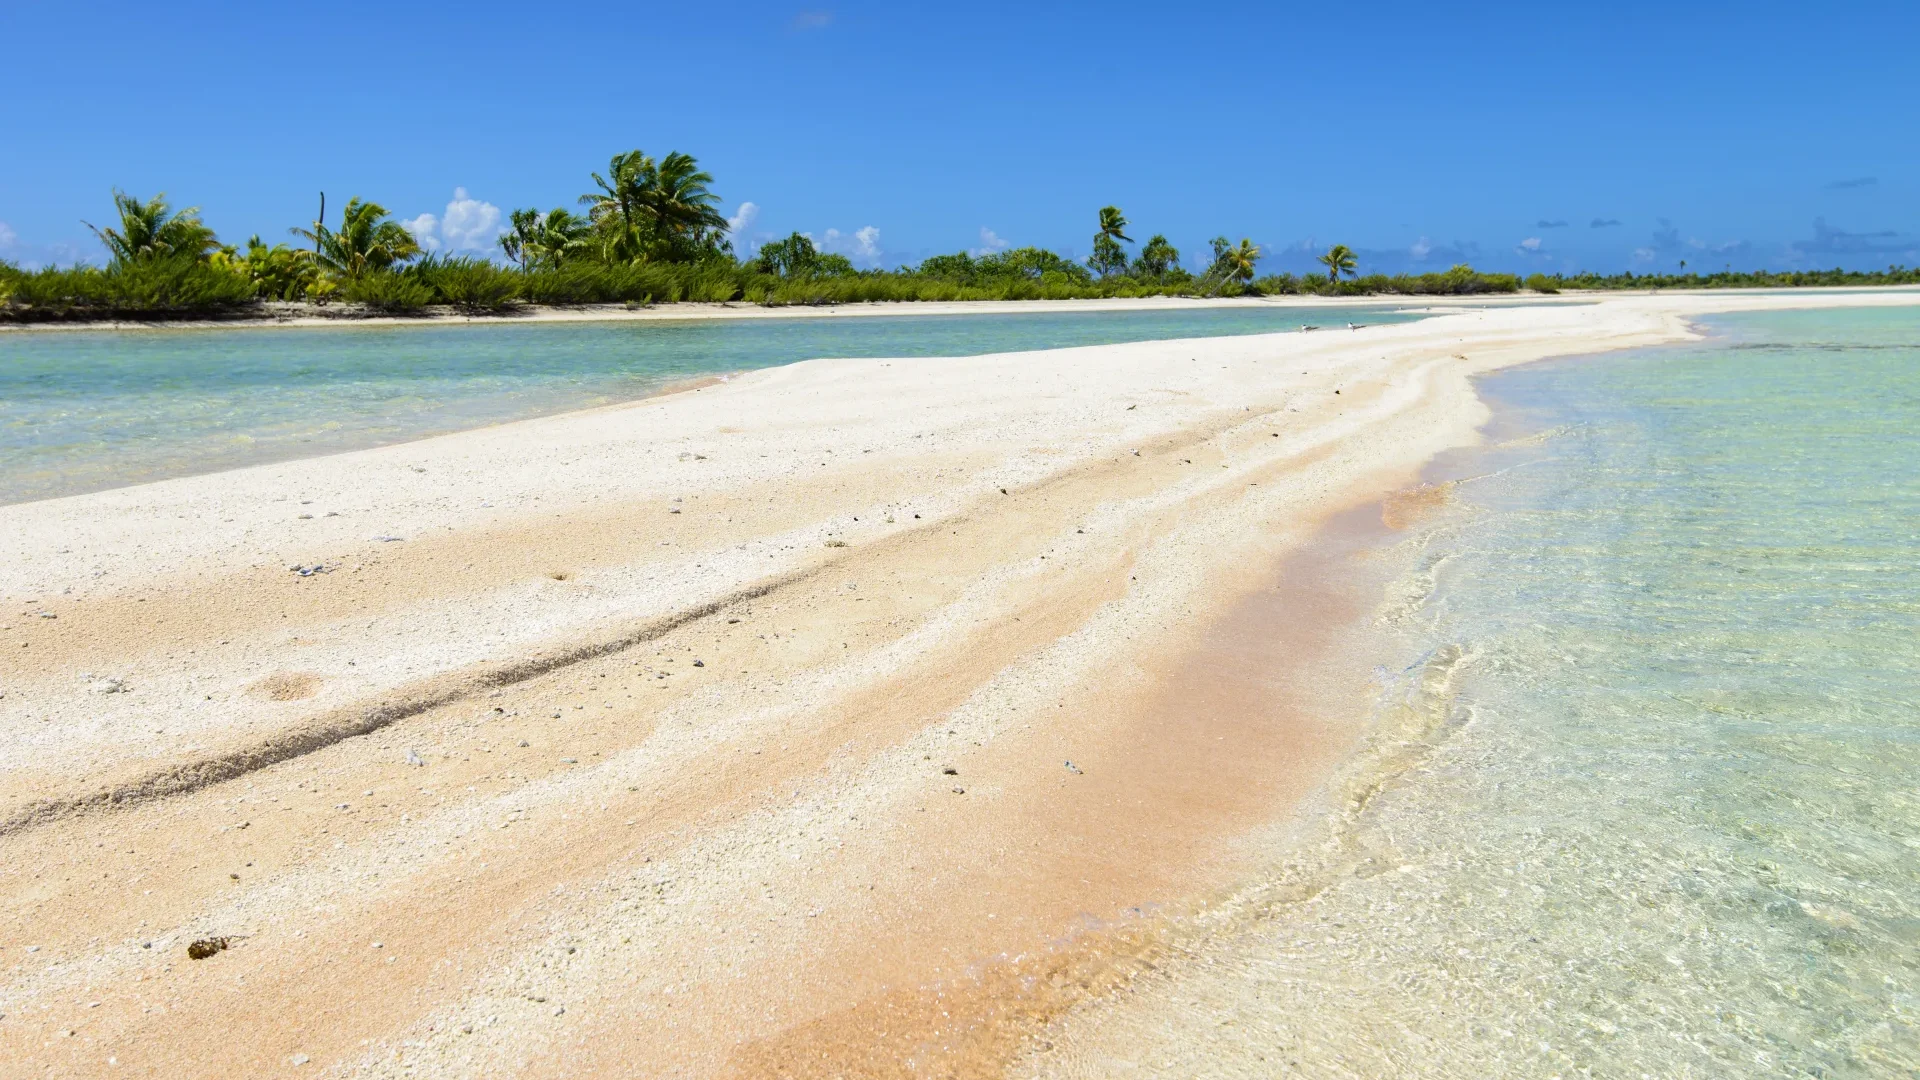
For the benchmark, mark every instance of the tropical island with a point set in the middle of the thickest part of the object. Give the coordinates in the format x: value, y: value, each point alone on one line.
x: 650, y: 232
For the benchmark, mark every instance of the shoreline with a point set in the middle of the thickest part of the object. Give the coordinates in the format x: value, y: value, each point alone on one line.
x: 683, y: 384
x: 992, y: 566
x: 695, y: 311
x: 1327, y: 843
x: 1341, y: 953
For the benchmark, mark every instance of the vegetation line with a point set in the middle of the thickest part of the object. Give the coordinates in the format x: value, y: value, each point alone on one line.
x: 650, y: 233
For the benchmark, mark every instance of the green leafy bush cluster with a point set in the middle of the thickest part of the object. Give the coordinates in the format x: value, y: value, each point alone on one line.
x: 1730, y: 279
x: 650, y: 232
x: 1460, y: 280
x: 388, y: 292
x: 175, y: 286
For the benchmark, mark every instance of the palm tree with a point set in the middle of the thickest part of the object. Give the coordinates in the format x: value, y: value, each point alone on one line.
x: 1235, y: 263
x: 1108, y: 256
x: 150, y: 230
x: 618, y: 208
x: 368, y: 240
x: 662, y: 209
x: 521, y: 236
x: 681, y: 205
x: 1231, y: 262
x: 551, y: 240
x: 1338, y: 260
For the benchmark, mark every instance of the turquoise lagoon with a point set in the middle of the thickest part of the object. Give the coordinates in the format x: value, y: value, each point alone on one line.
x: 85, y: 410
x: 1644, y: 798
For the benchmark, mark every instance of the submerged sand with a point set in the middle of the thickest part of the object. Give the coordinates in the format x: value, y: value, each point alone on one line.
x: 842, y: 719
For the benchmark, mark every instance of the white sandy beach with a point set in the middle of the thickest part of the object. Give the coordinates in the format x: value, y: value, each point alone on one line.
x: 832, y: 720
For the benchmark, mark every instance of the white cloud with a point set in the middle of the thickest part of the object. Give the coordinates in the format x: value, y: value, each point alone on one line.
x: 742, y: 218
x: 423, y: 229
x: 8, y: 238
x: 1530, y: 244
x: 990, y: 242
x: 864, y: 244
x: 470, y: 225
x: 1421, y: 248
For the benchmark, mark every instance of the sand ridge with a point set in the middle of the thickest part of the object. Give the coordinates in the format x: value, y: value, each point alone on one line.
x: 671, y: 690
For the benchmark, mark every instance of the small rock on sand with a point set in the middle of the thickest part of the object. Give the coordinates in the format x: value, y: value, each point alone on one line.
x: 206, y: 947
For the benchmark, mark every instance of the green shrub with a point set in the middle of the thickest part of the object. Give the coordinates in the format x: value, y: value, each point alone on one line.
x: 1734, y: 279
x: 1460, y: 280
x: 386, y: 291
x: 55, y: 293
x: 180, y: 286
x: 572, y: 283
x: 470, y: 285
x: 278, y: 272
x: 173, y: 287
x: 715, y: 282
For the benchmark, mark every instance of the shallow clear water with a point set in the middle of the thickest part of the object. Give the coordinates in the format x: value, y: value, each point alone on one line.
x: 81, y: 411
x: 1648, y: 795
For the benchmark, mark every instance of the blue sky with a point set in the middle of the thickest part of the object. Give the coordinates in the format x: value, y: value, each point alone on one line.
x: 1515, y: 137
